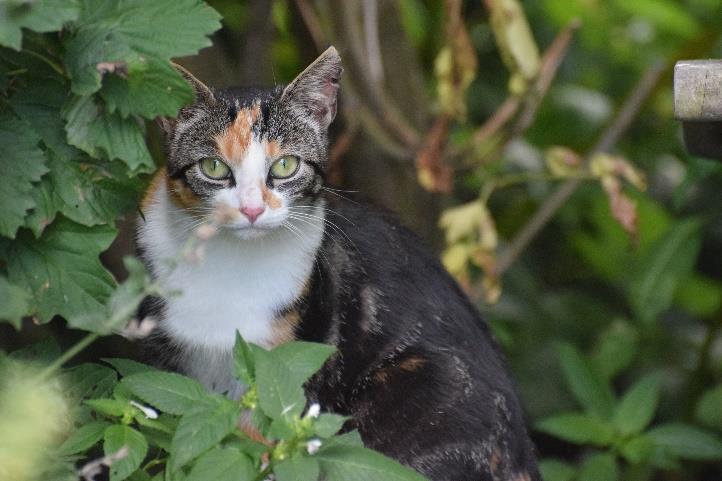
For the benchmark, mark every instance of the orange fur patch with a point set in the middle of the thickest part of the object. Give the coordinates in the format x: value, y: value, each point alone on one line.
x: 271, y: 199
x: 149, y: 195
x: 412, y: 364
x: 233, y: 143
x: 181, y: 195
x: 284, y: 328
x: 272, y: 148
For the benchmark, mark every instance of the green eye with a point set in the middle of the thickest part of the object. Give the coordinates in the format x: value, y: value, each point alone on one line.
x: 284, y: 167
x: 214, y: 168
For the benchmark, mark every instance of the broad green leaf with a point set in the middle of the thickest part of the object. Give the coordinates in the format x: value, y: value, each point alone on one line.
x: 22, y: 163
x: 615, y: 350
x: 658, y: 273
x: 94, y: 131
x: 223, y: 464
x: 303, y: 358
x: 589, y: 389
x: 201, y: 428
x: 152, y: 88
x: 578, y: 429
x: 279, y: 389
x: 555, y: 470
x: 117, y: 437
x: 14, y: 302
x: 128, y: 367
x: 243, y: 363
x: 349, y: 463
x: 83, y: 438
x: 328, y: 424
x: 687, y: 442
x: 110, y: 407
x: 45, y: 351
x: 599, y: 467
x: 636, y: 409
x: 89, y: 381
x: 638, y: 449
x: 709, y: 408
x: 110, y: 31
x: 170, y: 392
x: 39, y: 16
x: 62, y: 270
x: 297, y: 468
x: 700, y: 295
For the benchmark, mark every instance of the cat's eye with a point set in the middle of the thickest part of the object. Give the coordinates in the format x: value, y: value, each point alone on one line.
x: 214, y: 168
x: 285, y: 167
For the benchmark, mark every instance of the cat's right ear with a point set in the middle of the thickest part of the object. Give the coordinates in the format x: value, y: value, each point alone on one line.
x: 203, y: 94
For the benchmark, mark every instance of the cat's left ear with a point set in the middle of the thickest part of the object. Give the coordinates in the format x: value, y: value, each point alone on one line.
x: 316, y: 88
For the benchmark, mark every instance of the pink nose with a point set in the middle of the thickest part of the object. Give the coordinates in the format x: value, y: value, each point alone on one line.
x: 252, y: 212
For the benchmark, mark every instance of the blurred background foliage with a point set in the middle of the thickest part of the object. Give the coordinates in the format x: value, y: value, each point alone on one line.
x: 590, y: 240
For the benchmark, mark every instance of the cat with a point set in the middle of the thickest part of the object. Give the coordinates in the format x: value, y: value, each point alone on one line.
x: 416, y: 367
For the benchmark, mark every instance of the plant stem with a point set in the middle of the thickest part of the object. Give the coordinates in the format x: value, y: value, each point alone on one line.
x: 69, y: 354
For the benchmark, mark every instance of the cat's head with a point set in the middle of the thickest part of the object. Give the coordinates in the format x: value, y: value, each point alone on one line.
x: 250, y: 155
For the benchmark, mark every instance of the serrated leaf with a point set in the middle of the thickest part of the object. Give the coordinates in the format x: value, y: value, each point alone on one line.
x: 223, y: 464
x: 44, y: 351
x: 83, y: 438
x: 555, y: 470
x: 303, y: 358
x: 637, y: 407
x: 350, y: 463
x: 243, y: 363
x: 201, y: 428
x: 14, y: 303
x: 297, y: 468
x: 152, y: 88
x: 89, y: 381
x: 94, y: 132
x: 128, y: 367
x: 117, y: 437
x: 599, y: 467
x: 62, y: 270
x: 687, y: 442
x: 279, y: 389
x: 588, y: 387
x: 578, y: 428
x: 39, y: 16
x: 170, y: 392
x: 709, y: 408
x: 658, y: 273
x: 328, y: 424
x: 22, y: 163
x: 109, y: 31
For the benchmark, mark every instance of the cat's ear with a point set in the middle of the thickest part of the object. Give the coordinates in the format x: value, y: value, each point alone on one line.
x: 203, y: 94
x: 315, y: 89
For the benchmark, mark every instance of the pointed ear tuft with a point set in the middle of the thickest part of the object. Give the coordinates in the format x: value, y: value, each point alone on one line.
x: 315, y: 89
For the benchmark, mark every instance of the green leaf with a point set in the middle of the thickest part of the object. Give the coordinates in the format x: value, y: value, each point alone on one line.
x: 599, y: 467
x: 39, y: 16
x: 687, y: 442
x: 615, y: 350
x: 201, y: 428
x: 638, y: 405
x: 279, y: 389
x: 110, y: 407
x: 152, y: 88
x: 328, y: 424
x: 297, y: 468
x: 94, y: 131
x: 243, y: 363
x: 170, y: 392
x: 128, y: 367
x: 349, y: 463
x: 658, y: 273
x: 303, y: 358
x: 699, y: 295
x: 223, y: 464
x: 709, y: 408
x: 46, y: 351
x: 638, y: 449
x: 117, y: 437
x: 555, y: 470
x: 89, y: 381
x: 109, y: 32
x: 83, y: 438
x: 62, y: 270
x: 22, y: 163
x: 588, y: 387
x: 14, y: 303
x: 578, y: 429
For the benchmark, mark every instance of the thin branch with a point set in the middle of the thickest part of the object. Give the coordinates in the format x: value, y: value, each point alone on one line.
x: 373, y: 48
x: 313, y: 24
x: 609, y: 138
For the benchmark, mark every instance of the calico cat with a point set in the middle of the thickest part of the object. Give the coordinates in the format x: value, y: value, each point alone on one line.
x: 416, y: 367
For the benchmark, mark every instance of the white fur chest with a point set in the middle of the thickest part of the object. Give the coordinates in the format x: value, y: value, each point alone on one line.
x: 239, y: 284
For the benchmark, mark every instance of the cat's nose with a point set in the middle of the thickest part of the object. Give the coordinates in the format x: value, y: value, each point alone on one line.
x: 252, y: 213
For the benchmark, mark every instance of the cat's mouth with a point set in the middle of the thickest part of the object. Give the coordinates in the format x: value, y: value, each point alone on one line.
x: 250, y: 231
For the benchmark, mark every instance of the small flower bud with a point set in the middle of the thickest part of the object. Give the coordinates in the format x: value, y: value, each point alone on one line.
x: 313, y: 446
x: 148, y: 412
x: 314, y: 411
